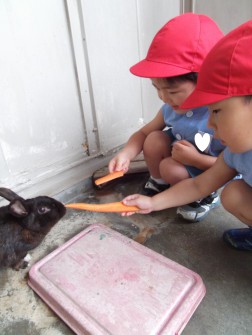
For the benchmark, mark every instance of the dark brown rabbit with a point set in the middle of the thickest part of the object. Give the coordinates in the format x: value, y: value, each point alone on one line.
x: 24, y: 224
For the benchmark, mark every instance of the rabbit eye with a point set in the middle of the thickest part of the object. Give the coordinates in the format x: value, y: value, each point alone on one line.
x: 43, y: 210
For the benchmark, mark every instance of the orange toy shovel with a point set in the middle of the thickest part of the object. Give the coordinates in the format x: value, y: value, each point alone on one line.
x: 113, y: 207
x: 109, y: 177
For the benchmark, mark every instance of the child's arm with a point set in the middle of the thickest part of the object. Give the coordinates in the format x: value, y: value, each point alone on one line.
x: 135, y: 144
x: 185, y: 153
x: 186, y: 191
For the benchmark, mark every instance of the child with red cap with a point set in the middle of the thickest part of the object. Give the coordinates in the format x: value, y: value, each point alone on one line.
x: 172, y: 63
x: 225, y: 86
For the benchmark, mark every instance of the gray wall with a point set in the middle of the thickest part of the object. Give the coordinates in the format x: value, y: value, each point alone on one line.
x: 228, y: 13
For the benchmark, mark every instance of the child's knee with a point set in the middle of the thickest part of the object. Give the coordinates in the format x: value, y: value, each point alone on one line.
x: 230, y: 196
x: 156, y: 140
x: 172, y: 171
x: 165, y: 164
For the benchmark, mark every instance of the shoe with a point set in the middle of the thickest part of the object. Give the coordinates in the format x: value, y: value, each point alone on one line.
x: 152, y: 188
x: 198, y: 210
x: 212, y: 200
x: 240, y: 239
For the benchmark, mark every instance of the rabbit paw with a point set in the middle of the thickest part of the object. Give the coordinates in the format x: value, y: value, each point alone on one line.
x: 27, y: 258
x: 23, y: 263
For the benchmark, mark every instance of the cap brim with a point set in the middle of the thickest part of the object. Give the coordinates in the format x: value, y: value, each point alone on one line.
x: 150, y: 69
x: 201, y: 98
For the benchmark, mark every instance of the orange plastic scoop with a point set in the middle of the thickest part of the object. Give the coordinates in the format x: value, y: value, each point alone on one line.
x: 112, y: 207
x: 109, y: 177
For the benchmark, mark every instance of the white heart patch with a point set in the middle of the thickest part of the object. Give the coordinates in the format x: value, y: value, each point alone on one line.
x: 202, y: 141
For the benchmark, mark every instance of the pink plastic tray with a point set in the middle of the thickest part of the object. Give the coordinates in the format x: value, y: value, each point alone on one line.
x: 101, y: 282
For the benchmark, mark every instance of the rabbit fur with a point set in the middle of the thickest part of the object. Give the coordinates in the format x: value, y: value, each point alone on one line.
x: 24, y: 224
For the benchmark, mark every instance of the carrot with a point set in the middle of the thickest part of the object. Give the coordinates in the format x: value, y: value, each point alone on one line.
x: 113, y: 207
x: 108, y: 177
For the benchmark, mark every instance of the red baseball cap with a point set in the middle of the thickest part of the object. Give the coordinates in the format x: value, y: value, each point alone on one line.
x: 179, y: 47
x: 226, y: 71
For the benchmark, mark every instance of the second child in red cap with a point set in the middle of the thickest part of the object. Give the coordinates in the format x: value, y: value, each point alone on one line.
x: 172, y: 63
x: 225, y: 86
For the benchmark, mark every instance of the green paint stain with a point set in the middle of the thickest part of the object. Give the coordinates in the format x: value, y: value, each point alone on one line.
x: 102, y: 236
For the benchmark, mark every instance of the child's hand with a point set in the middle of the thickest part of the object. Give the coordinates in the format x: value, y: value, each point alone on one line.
x: 184, y: 152
x: 142, y: 202
x: 120, y: 162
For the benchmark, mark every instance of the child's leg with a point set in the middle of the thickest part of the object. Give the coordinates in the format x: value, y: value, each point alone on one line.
x: 157, y: 146
x: 172, y: 172
x: 236, y: 199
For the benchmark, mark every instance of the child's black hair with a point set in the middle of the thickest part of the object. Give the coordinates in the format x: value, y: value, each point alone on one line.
x: 191, y: 76
x: 248, y: 98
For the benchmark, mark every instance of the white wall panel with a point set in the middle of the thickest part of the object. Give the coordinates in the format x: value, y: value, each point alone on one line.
x: 112, y: 44
x: 118, y: 34
x: 41, y: 126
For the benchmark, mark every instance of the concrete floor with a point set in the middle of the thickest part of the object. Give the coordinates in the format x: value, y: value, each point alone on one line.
x: 226, y: 273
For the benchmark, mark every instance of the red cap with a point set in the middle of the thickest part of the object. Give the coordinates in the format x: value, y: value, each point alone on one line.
x: 226, y: 71
x: 179, y: 47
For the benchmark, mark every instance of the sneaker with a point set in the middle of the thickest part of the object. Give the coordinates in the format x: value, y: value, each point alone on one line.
x: 152, y: 188
x: 240, y: 239
x: 198, y: 210
x: 212, y: 200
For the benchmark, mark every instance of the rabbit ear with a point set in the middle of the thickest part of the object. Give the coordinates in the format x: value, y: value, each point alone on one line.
x: 16, y: 208
x: 8, y: 194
